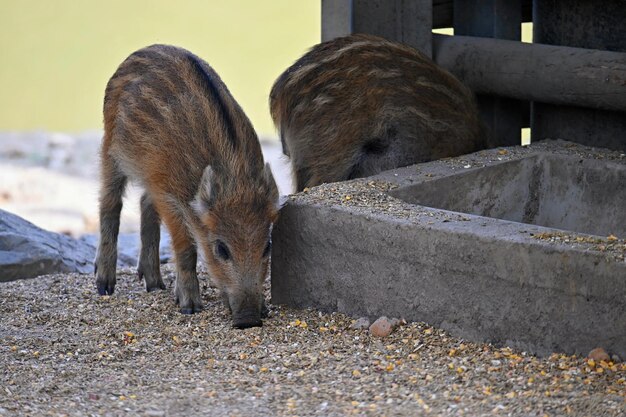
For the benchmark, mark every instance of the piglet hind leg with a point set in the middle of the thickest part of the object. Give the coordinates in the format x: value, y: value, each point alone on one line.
x: 112, y: 186
x: 148, y: 267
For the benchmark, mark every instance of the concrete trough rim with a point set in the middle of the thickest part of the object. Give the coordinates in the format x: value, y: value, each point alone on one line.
x: 589, y: 243
x: 393, y: 180
x: 507, y: 234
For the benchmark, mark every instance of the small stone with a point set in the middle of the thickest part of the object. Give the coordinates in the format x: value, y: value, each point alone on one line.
x: 381, y: 327
x: 598, y: 355
x: 615, y: 358
x: 155, y: 413
x: 396, y: 322
x: 362, y: 323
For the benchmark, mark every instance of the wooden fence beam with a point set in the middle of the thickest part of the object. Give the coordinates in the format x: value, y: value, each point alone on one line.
x: 546, y: 73
x: 582, y: 24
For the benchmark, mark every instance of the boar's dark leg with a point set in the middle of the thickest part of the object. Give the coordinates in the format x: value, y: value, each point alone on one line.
x: 149, y: 262
x: 112, y: 186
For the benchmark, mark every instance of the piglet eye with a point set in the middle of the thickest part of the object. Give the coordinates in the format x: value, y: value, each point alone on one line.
x: 221, y: 250
x: 268, y: 249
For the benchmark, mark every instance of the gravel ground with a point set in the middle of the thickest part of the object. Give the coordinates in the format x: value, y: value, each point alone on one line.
x: 66, y: 351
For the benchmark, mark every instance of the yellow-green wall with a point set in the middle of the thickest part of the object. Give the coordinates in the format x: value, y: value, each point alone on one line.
x: 57, y: 55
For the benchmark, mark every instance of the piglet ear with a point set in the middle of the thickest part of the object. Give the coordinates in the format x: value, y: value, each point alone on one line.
x: 271, y: 184
x: 207, y: 189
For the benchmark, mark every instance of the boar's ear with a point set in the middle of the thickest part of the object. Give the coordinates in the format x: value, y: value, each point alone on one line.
x: 271, y: 184
x: 206, y: 192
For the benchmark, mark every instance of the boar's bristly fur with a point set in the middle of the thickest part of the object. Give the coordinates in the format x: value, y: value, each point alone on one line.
x: 357, y: 105
x: 171, y: 125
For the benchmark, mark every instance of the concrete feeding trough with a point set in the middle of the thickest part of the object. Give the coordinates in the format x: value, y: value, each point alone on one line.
x: 562, y: 192
x: 516, y: 246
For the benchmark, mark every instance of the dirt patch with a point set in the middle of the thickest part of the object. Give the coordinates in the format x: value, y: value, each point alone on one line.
x: 66, y: 351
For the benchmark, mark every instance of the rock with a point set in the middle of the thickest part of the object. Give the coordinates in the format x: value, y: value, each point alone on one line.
x: 27, y: 251
x: 615, y: 358
x: 362, y: 323
x: 381, y: 327
x: 129, y: 244
x: 598, y: 354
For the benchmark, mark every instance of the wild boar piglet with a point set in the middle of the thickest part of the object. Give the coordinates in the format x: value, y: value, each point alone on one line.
x: 358, y: 105
x: 171, y: 125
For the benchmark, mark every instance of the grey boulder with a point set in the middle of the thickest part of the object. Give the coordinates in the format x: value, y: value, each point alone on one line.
x: 28, y: 251
x: 128, y: 246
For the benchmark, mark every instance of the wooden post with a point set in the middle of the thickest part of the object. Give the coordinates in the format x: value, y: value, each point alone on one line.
x: 500, y: 19
x: 583, y: 24
x: 443, y: 12
x: 336, y: 19
x: 406, y: 21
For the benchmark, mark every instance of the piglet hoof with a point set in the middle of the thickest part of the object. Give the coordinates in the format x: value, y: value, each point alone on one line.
x: 190, y: 310
x: 247, y: 319
x: 156, y: 287
x: 246, y: 324
x: 154, y: 282
x: 105, y: 288
x: 265, y: 312
x: 188, y: 299
x: 190, y: 306
x: 105, y: 276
